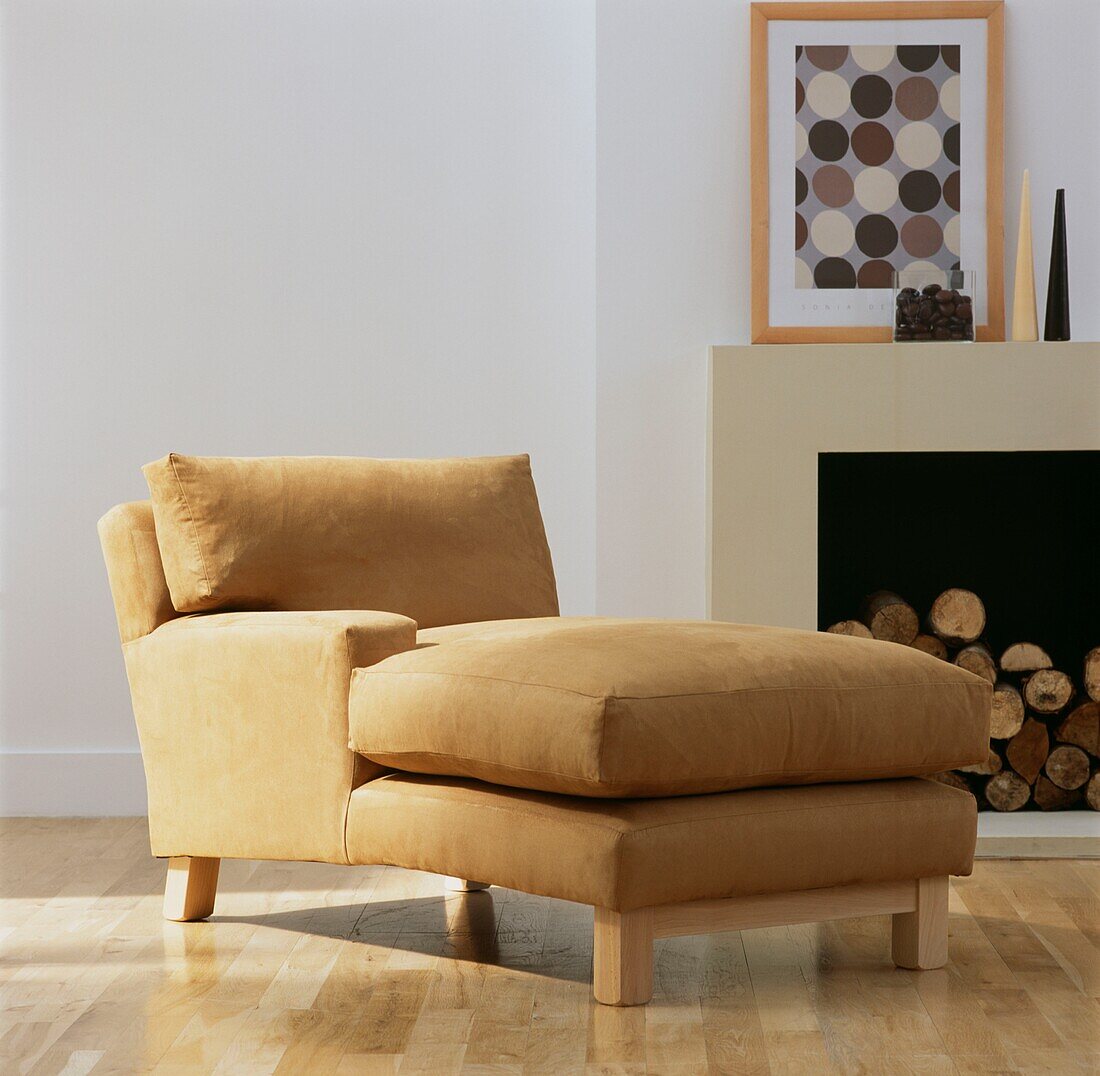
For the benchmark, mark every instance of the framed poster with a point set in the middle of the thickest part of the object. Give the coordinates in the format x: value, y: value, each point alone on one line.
x: 877, y: 146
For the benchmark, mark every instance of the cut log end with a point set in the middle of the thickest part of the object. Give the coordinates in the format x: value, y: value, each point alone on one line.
x: 1092, y: 674
x: 991, y: 765
x: 952, y: 780
x: 1082, y: 728
x: 850, y: 627
x: 1028, y: 750
x: 1047, y: 691
x: 889, y: 617
x: 1092, y: 791
x: 1008, y: 712
x: 957, y: 617
x: 1049, y: 797
x: 1068, y: 767
x: 1025, y: 658
x: 977, y: 659
x: 1007, y: 791
x: 929, y: 644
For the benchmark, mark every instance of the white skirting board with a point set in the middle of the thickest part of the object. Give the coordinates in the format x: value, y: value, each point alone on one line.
x: 72, y: 784
x: 1039, y: 834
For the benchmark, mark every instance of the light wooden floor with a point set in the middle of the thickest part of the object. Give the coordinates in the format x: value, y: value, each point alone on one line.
x: 315, y: 969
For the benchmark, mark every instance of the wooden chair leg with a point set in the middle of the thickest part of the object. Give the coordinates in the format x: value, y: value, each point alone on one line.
x: 464, y: 885
x: 920, y: 936
x: 622, y: 957
x: 190, y: 887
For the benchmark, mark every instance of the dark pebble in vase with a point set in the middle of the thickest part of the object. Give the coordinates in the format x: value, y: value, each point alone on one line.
x: 933, y: 313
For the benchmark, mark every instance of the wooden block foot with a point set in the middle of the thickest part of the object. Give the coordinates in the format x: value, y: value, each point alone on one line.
x: 464, y: 885
x: 920, y: 936
x: 622, y: 957
x: 190, y: 887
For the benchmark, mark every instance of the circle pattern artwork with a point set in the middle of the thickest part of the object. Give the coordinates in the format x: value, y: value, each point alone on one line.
x: 919, y: 145
x: 918, y: 57
x: 828, y: 95
x: 951, y: 144
x: 874, y: 57
x: 951, y: 191
x: 832, y: 232
x: 919, y: 191
x: 877, y: 150
x: 826, y: 57
x: 872, y: 143
x: 833, y: 185
x: 921, y: 236
x: 876, y: 235
x: 828, y: 140
x: 876, y: 189
x: 871, y: 96
x: 917, y: 98
x: 834, y: 273
x: 876, y: 273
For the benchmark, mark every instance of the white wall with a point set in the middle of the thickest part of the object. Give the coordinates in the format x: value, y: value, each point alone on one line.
x: 272, y: 227
x: 390, y: 227
x: 673, y: 248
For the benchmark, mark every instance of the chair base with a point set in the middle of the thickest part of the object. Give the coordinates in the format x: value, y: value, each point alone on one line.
x: 622, y: 951
x: 622, y: 963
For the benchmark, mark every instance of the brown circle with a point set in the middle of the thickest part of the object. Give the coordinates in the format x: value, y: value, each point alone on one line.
x: 801, y: 187
x: 876, y: 235
x: 799, y: 95
x: 918, y: 57
x: 829, y: 140
x: 917, y: 98
x: 834, y: 273
x: 871, y: 96
x: 833, y: 186
x: 872, y: 143
x: 801, y: 232
x: 951, y: 191
x: 950, y: 54
x: 875, y: 274
x: 919, y: 191
x: 921, y: 236
x: 827, y: 57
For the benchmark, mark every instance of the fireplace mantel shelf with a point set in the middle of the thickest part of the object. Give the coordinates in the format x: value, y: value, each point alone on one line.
x: 774, y: 408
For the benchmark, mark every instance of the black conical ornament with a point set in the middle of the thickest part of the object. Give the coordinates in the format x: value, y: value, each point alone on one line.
x: 1057, y: 320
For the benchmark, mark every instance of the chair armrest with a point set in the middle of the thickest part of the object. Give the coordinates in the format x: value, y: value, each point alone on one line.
x: 243, y: 723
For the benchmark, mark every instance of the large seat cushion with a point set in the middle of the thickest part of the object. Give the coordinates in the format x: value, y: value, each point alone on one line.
x: 626, y: 854
x: 440, y: 541
x: 604, y: 707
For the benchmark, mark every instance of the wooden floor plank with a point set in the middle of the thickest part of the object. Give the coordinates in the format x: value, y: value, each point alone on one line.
x: 323, y: 969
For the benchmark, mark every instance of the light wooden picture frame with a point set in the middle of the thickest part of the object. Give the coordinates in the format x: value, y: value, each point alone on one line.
x: 814, y: 306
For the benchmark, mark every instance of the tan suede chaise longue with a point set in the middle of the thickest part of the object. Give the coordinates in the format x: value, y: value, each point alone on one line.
x: 361, y: 661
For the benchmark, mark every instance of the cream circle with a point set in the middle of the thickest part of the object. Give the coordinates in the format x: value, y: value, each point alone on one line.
x: 828, y: 95
x: 952, y: 235
x: 923, y: 267
x: 918, y: 144
x: 876, y: 189
x: 832, y: 233
x: 873, y: 57
x: 801, y: 141
x: 949, y: 97
x: 803, y: 275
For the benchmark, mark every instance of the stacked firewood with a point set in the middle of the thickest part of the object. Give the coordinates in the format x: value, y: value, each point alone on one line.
x: 1044, y: 748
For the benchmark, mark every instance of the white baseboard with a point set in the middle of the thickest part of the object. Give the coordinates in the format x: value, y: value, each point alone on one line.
x: 72, y: 783
x: 1039, y: 834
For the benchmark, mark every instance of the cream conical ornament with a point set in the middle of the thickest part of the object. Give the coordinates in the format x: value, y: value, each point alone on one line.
x: 1025, y: 319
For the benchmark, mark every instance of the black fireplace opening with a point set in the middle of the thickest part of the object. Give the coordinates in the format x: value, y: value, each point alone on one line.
x: 1019, y: 529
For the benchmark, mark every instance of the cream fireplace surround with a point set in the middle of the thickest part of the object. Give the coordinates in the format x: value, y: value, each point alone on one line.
x: 774, y: 408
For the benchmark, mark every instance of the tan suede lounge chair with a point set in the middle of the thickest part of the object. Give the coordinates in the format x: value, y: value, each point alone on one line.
x: 361, y: 661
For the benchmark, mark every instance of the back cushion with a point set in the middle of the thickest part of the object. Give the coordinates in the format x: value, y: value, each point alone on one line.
x: 441, y: 541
